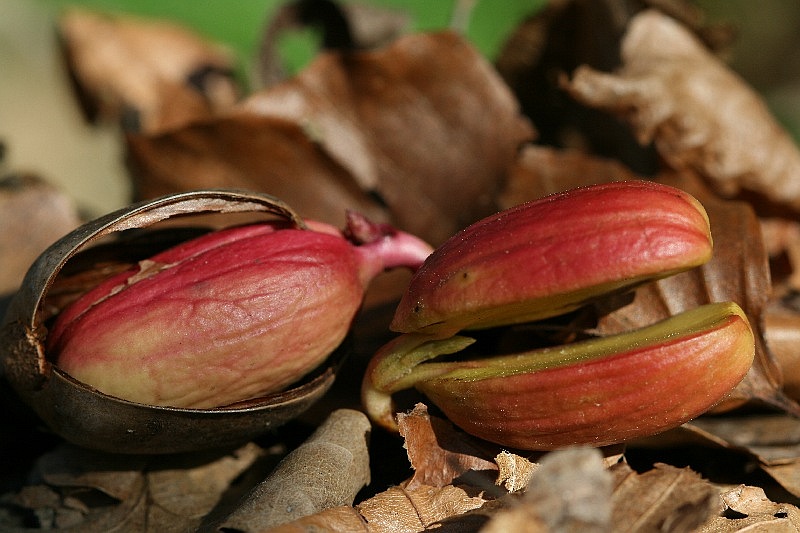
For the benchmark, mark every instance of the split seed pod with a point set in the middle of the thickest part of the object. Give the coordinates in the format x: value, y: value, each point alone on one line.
x: 131, y: 338
x: 543, y: 259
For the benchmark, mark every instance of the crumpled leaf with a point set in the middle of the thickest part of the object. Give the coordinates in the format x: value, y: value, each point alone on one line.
x: 700, y: 115
x: 385, y: 116
x: 450, y: 479
x: 437, y: 451
x: 33, y: 215
x: 665, y: 498
x: 379, y: 128
x: 148, y: 75
x: 566, y: 34
x: 191, y: 492
x: 515, y: 472
x: 326, y: 471
x: 751, y: 510
x: 81, y: 490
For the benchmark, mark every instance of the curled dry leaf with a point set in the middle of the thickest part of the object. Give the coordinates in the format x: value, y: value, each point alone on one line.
x: 563, y: 35
x: 342, y: 518
x: 449, y: 480
x: 393, y: 126
x: 188, y: 489
x: 515, y: 472
x: 372, y: 131
x: 326, y: 471
x: 148, y: 75
x: 437, y: 451
x: 700, y: 115
x: 663, y: 498
x: 756, y: 513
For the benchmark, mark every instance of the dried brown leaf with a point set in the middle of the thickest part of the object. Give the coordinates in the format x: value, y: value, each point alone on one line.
x: 755, y: 512
x: 515, y: 471
x: 437, y: 451
x: 359, y: 130
x: 787, y: 475
x: 249, y: 152
x: 665, y: 498
x: 520, y: 519
x: 405, y: 510
x: 149, y: 75
x: 326, y: 471
x: 112, y: 489
x: 190, y: 491
x: 772, y: 440
x: 388, y: 117
x: 700, y: 115
x: 343, y: 518
x: 566, y: 34
x: 440, y: 455
x: 91, y: 491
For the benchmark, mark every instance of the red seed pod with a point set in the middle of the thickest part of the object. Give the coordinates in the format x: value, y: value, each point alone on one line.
x: 151, y: 360
x: 543, y: 259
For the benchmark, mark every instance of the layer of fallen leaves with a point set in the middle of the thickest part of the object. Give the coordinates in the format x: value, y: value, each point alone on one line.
x: 421, y: 131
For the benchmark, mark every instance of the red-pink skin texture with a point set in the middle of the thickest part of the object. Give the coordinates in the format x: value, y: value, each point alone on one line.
x: 587, y: 239
x: 240, y: 313
x: 635, y: 393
